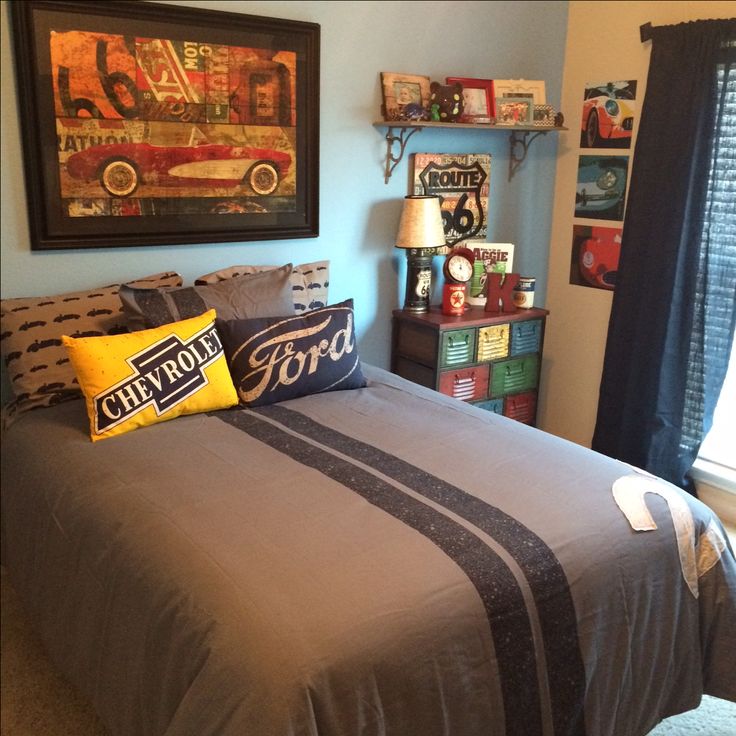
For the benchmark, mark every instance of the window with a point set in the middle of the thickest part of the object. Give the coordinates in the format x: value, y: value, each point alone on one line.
x: 719, y: 446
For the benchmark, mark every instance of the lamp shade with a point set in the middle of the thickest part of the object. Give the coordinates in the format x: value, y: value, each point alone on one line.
x: 421, y: 223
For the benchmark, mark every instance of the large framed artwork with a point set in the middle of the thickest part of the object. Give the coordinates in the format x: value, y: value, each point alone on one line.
x: 151, y: 124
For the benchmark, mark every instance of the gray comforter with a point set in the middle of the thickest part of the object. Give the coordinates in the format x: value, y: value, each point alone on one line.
x: 379, y: 561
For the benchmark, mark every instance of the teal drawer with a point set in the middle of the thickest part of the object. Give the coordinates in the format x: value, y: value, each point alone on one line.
x: 513, y: 376
x: 526, y: 336
x: 457, y: 347
x: 494, y: 405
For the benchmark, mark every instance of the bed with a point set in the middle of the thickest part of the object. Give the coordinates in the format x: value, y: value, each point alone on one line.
x: 382, y: 560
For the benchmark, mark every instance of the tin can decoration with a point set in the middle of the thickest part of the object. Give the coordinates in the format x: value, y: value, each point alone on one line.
x: 453, y: 299
x: 524, y: 292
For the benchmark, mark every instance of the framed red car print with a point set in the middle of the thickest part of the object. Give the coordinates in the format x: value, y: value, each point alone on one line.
x: 151, y: 124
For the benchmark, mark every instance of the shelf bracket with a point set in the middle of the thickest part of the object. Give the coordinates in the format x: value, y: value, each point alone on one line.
x: 402, y: 139
x: 520, y: 142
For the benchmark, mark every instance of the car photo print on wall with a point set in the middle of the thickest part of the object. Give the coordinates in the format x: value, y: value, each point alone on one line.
x: 601, y: 187
x: 608, y: 114
x: 594, y: 256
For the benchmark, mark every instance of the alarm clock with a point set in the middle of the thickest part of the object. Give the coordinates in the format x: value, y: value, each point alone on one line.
x: 458, y: 270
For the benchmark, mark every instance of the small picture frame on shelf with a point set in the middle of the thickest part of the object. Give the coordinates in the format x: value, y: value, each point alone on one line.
x: 544, y: 116
x: 514, y: 111
x: 479, y: 99
x: 533, y: 88
x: 405, y: 96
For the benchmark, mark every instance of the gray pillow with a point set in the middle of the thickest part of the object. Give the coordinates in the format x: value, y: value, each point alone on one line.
x: 266, y: 294
x: 310, y: 282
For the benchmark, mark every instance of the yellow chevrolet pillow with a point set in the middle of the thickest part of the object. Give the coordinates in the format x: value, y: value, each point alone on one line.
x: 141, y: 378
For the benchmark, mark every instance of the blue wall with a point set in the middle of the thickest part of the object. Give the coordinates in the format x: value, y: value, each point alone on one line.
x: 359, y: 214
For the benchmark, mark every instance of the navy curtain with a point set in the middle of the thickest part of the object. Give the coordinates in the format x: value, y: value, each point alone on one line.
x: 672, y: 316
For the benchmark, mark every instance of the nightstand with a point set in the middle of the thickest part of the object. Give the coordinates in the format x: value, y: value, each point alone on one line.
x: 490, y: 360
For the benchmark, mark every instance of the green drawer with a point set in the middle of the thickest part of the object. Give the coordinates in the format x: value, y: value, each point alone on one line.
x: 513, y: 376
x: 457, y: 347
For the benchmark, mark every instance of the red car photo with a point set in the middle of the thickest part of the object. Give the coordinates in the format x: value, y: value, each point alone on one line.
x: 121, y: 168
x: 598, y: 257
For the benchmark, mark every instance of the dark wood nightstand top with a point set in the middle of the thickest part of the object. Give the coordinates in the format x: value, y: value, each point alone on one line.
x: 474, y: 317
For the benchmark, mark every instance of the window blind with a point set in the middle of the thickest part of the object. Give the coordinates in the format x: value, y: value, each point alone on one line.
x: 713, y: 326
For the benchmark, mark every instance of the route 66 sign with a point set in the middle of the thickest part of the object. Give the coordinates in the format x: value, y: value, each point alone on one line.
x: 461, y: 181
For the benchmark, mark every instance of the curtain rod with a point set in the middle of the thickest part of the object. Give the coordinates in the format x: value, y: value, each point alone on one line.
x: 645, y: 32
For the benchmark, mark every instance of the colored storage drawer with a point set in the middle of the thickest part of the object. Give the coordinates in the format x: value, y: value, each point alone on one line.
x: 456, y: 347
x: 489, y: 360
x: 526, y: 336
x: 494, y: 405
x: 514, y: 376
x: 493, y: 343
x: 522, y: 407
x: 466, y: 384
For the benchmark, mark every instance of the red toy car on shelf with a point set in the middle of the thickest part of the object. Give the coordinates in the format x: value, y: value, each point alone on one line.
x: 122, y: 167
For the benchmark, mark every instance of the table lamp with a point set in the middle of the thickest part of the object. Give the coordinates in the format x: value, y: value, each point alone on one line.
x: 421, y: 233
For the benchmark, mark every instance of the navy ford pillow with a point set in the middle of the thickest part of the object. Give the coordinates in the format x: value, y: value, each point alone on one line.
x: 275, y: 359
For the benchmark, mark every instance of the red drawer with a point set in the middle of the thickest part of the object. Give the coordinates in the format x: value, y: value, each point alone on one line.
x: 466, y: 384
x: 522, y: 407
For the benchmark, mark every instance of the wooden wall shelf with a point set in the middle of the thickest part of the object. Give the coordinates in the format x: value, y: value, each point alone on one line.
x: 398, y: 133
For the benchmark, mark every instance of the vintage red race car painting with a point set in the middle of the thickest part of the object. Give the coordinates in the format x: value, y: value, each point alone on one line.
x: 151, y: 124
x: 160, y: 121
x: 121, y: 167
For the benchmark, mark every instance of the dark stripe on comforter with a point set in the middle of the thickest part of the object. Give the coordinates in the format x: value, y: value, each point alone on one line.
x: 543, y: 571
x: 497, y: 587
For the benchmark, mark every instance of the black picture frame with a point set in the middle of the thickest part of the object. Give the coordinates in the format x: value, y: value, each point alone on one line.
x: 222, y: 91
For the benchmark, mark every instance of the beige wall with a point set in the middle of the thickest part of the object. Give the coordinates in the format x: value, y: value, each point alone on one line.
x: 602, y: 45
